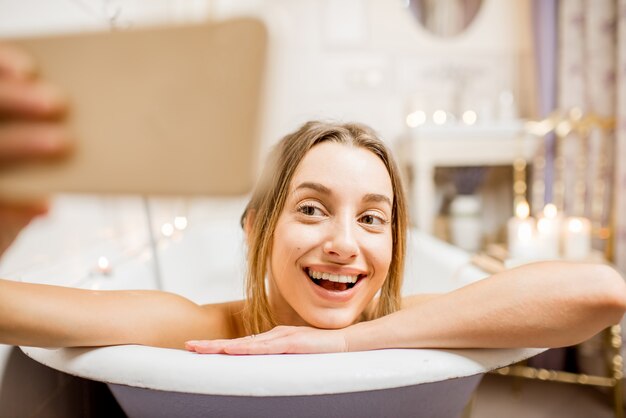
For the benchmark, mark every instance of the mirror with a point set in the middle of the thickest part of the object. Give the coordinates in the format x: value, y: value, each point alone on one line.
x: 445, y: 18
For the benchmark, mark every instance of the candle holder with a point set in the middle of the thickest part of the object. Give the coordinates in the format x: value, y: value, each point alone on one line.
x: 579, y: 178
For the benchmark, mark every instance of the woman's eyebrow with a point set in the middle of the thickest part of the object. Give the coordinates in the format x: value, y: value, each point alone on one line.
x: 374, y: 197
x: 314, y: 186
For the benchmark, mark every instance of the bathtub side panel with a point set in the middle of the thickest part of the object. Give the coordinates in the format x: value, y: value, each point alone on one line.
x: 429, y: 400
x: 30, y: 389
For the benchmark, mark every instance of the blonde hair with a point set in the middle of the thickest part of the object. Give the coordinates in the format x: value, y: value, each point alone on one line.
x: 269, y: 198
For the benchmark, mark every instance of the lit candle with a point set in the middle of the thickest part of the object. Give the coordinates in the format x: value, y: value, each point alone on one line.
x: 549, y: 232
x: 521, y: 234
x: 577, y: 238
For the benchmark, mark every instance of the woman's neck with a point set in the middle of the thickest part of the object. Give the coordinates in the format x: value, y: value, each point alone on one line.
x: 283, y: 312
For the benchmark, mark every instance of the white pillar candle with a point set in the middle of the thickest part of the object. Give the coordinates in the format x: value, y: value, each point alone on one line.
x: 577, y: 238
x: 549, y: 233
x: 521, y: 234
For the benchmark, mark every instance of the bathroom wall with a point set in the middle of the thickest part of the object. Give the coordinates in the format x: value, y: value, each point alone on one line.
x: 371, y: 61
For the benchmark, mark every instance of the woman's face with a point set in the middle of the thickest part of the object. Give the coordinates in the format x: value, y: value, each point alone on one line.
x: 333, y: 241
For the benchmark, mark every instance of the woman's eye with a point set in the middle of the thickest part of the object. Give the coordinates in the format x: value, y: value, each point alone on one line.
x: 374, y: 220
x: 310, y: 210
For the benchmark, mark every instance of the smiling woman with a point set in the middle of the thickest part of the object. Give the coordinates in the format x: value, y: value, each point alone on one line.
x: 326, y: 231
x: 343, y: 219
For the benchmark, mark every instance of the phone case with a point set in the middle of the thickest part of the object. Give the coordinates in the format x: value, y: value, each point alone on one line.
x: 167, y: 111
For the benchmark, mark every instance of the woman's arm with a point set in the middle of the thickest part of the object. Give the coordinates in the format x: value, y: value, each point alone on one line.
x: 547, y: 304
x: 54, y: 316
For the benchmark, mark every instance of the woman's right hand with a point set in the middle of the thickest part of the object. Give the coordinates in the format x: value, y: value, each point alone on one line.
x: 31, y: 127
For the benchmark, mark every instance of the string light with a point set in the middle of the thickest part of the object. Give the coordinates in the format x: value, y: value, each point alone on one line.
x: 167, y: 229
x: 180, y: 222
x: 104, y: 266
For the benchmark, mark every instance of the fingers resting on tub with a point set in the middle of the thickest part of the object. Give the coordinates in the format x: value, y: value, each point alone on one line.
x: 279, y: 340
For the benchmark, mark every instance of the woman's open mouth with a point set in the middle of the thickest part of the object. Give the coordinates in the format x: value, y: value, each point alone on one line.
x: 333, y: 282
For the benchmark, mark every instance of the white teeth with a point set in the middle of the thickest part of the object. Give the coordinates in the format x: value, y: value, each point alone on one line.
x: 339, y: 278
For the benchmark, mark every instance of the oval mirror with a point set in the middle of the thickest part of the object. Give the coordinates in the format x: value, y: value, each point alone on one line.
x: 445, y: 18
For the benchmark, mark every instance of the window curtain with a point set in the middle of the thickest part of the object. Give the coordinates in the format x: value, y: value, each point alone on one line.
x: 580, y: 51
x: 592, y: 76
x: 587, y: 79
x: 545, y: 30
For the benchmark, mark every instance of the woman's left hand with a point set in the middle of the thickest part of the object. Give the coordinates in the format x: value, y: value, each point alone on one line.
x: 279, y: 340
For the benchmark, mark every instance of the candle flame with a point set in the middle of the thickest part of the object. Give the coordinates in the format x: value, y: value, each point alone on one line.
x: 550, y: 211
x: 575, y: 225
x: 522, y: 210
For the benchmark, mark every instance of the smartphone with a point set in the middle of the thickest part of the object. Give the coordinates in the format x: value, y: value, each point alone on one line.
x: 158, y: 111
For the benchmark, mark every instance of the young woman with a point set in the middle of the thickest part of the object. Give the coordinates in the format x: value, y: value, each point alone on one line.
x: 326, y: 234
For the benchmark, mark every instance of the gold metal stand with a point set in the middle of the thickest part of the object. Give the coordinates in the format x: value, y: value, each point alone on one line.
x: 614, y: 380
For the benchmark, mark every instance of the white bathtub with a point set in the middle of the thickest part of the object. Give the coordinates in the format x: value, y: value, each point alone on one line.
x: 204, y: 263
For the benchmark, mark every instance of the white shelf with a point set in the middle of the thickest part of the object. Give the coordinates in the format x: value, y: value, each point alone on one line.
x: 431, y: 146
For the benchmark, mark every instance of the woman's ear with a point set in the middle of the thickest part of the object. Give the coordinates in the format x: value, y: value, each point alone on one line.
x: 248, y: 224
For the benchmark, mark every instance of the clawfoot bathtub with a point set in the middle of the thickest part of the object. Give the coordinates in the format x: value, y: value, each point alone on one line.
x: 153, y: 382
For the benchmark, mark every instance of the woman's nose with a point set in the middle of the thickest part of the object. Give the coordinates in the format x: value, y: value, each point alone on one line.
x: 342, y: 243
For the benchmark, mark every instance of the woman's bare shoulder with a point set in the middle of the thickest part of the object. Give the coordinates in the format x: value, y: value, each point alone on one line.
x: 225, y: 318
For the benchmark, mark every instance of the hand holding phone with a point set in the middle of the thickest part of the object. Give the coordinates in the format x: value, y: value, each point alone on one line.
x: 31, y: 128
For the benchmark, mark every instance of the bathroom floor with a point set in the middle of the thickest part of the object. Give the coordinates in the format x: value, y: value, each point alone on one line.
x: 506, y: 396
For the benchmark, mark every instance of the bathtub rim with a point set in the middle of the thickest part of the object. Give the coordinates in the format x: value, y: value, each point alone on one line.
x: 132, y: 365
